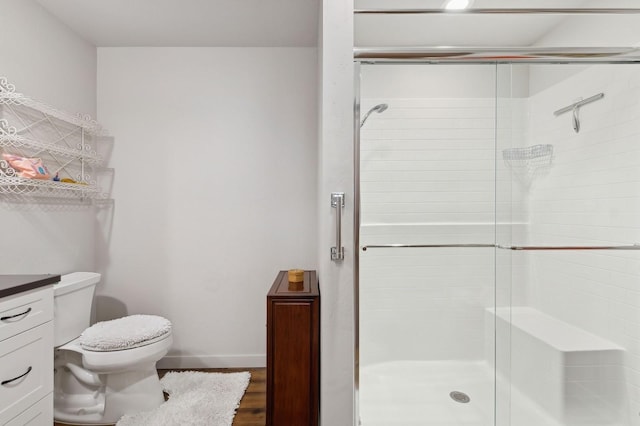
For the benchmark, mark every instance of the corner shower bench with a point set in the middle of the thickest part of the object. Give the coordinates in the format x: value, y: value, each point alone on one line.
x: 570, y: 373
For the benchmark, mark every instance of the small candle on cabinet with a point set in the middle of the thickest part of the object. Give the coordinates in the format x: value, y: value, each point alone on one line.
x: 296, y: 275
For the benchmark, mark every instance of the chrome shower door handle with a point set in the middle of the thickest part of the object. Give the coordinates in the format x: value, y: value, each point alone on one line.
x: 337, y: 202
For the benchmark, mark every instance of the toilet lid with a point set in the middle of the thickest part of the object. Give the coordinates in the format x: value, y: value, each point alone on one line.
x: 124, y: 333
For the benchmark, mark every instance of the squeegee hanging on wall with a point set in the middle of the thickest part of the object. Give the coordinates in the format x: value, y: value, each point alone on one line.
x: 575, y: 108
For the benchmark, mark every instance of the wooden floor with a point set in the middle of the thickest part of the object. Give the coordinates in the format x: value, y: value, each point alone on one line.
x: 254, y: 401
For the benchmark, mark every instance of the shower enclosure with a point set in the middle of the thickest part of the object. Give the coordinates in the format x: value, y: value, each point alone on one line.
x: 499, y: 221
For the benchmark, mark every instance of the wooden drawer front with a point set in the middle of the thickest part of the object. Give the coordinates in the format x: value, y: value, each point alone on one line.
x: 39, y: 414
x: 31, y: 349
x: 24, y: 311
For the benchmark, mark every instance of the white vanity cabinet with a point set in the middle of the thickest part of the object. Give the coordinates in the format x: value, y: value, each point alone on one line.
x: 26, y: 357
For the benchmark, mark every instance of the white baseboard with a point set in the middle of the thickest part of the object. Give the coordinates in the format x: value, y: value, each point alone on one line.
x: 212, y: 361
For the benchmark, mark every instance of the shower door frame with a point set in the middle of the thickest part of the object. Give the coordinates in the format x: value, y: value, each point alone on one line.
x: 463, y: 56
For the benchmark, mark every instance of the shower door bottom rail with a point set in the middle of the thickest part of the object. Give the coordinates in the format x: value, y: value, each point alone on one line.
x: 533, y: 248
x: 368, y: 246
x: 503, y: 247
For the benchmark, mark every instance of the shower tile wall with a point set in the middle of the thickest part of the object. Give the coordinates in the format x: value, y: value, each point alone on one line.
x: 591, y: 197
x: 428, y: 177
x: 428, y: 161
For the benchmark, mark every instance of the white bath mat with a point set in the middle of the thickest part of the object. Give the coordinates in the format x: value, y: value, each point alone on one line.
x: 196, y: 399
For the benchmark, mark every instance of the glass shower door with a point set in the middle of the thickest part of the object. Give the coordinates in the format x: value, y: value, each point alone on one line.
x: 427, y: 245
x: 568, y: 168
x: 499, y: 245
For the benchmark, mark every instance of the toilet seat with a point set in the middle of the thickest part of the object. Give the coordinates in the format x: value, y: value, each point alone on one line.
x: 126, y: 359
x: 122, y: 344
x: 139, y: 345
x: 124, y: 333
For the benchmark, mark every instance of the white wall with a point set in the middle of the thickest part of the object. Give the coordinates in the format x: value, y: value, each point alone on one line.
x: 215, y: 184
x: 45, y: 60
x: 48, y: 62
x: 335, y: 173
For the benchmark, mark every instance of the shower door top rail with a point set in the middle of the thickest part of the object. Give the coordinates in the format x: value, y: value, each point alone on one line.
x: 500, y: 11
x: 492, y: 54
x: 504, y: 247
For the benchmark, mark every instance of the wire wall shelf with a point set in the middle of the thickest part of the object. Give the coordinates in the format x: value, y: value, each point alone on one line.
x: 64, y: 147
x: 10, y: 139
x: 46, y: 188
x: 9, y: 96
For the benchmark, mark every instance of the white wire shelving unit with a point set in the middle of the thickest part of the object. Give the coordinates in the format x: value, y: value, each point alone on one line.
x: 65, y: 143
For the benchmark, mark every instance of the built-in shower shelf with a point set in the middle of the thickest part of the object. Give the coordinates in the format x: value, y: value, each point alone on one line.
x: 65, y: 143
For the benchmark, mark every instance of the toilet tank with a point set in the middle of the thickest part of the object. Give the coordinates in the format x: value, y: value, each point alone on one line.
x: 72, y: 301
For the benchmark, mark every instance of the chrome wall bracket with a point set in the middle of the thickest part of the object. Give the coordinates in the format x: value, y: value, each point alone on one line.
x: 337, y: 202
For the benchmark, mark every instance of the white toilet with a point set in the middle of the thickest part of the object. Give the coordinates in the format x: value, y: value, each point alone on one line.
x: 109, y: 369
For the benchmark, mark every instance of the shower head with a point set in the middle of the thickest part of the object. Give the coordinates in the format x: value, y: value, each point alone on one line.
x: 381, y: 107
x: 378, y: 108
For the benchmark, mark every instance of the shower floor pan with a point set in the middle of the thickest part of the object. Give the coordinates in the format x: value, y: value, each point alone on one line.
x: 412, y: 393
x: 416, y: 393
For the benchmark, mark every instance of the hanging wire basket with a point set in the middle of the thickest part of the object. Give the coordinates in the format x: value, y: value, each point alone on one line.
x: 528, y: 163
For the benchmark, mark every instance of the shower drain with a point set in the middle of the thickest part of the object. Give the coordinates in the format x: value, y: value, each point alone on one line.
x: 460, y: 397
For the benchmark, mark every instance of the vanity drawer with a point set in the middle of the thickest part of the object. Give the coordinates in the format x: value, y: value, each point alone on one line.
x: 30, y: 352
x: 24, y: 311
x: 39, y: 414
